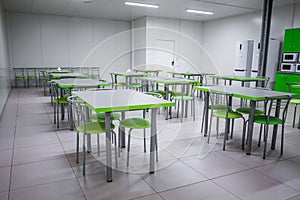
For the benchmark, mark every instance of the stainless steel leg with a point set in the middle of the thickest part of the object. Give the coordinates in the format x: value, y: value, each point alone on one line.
x: 108, y: 148
x: 153, y: 140
x: 275, y: 127
x: 250, y: 127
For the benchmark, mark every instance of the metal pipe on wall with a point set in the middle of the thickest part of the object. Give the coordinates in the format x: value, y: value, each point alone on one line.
x: 264, y: 37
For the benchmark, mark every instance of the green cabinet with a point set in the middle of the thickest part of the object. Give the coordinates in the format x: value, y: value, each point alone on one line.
x: 292, y: 40
x: 283, y: 78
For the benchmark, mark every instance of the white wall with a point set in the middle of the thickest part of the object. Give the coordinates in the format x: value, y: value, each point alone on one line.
x: 4, y: 67
x: 179, y: 39
x: 220, y: 36
x: 48, y: 40
x: 139, y: 42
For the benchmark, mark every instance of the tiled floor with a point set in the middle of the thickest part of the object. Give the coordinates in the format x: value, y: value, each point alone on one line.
x: 38, y: 162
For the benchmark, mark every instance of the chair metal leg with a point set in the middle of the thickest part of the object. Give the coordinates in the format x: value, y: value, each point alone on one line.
x: 98, y: 145
x: 266, y: 129
x: 294, y: 119
x: 260, y: 133
x: 244, y: 134
x: 226, y: 133
x: 77, y: 147
x: 282, y: 139
x: 156, y: 146
x: 128, y: 146
x: 232, y: 127
x: 84, y: 155
x: 203, y: 116
x: 210, y: 122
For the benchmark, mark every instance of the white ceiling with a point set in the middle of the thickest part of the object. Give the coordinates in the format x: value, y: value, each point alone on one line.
x: 115, y: 9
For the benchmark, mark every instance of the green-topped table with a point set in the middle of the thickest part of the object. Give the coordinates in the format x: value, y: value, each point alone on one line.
x: 168, y: 82
x: 241, y: 79
x: 252, y: 94
x: 155, y: 72
x: 55, y: 71
x: 66, y: 75
x: 128, y: 76
x: 120, y: 101
x: 71, y: 83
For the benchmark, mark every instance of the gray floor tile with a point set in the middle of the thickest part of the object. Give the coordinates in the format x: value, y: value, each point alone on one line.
x: 124, y: 186
x: 40, y: 172
x: 214, y: 165
x: 173, y: 175
x: 150, y: 197
x: 295, y: 198
x: 38, y: 153
x: 66, y: 190
x: 4, y: 195
x: 204, y: 190
x: 33, y: 139
x: 5, y: 158
x: 254, y: 185
x: 6, y: 142
x: 286, y: 171
x: 4, y: 177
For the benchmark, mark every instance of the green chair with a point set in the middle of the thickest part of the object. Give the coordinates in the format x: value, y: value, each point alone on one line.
x: 295, y: 102
x: 114, y: 82
x: 184, y: 96
x: 218, y: 111
x: 32, y: 75
x: 134, y: 123
x: 268, y: 119
x: 80, y: 121
x: 60, y: 98
x: 294, y: 87
x: 94, y: 72
x: 20, y: 75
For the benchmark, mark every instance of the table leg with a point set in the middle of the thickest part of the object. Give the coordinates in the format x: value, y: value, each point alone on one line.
x: 108, y: 148
x: 122, y: 131
x: 206, y: 104
x: 250, y: 127
x: 167, y: 98
x: 275, y: 128
x: 153, y: 139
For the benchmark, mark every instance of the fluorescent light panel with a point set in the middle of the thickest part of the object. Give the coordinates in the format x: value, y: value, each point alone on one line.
x: 141, y: 4
x: 199, y: 12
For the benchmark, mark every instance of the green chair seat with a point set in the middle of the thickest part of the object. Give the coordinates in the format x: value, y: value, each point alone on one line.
x: 32, y: 76
x: 183, y: 98
x: 175, y: 93
x: 94, y: 128
x: 247, y: 110
x: 101, y: 116
x: 135, y: 85
x: 118, y: 84
x: 295, y: 101
x: 219, y: 107
x: 63, y: 99
x: 20, y: 76
x: 135, y: 123
x: 231, y: 115
x: 163, y: 93
x: 262, y: 119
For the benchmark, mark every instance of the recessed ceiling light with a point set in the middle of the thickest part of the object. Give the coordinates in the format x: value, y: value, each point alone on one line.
x: 199, y: 12
x: 141, y: 4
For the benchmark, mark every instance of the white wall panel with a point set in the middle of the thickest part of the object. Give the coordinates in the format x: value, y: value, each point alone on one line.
x: 25, y: 39
x: 4, y: 63
x: 54, y: 40
x: 220, y: 36
x: 80, y: 34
